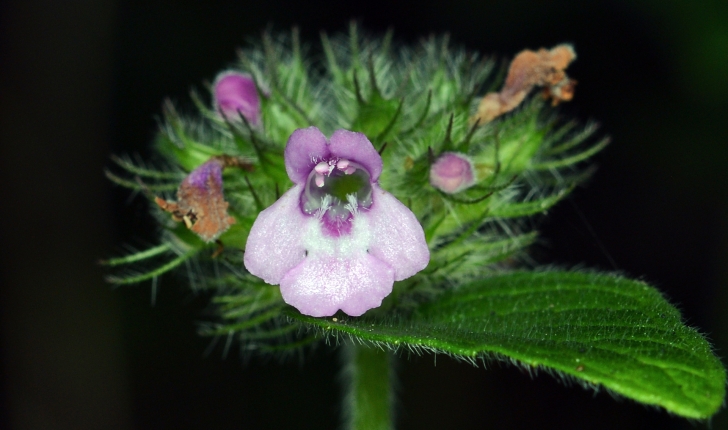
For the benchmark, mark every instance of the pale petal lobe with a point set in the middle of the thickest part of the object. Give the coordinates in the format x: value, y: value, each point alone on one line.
x: 321, y: 286
x: 274, y: 244
x: 397, y: 236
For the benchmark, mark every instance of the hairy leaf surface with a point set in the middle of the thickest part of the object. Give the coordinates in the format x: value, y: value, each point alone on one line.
x: 600, y: 329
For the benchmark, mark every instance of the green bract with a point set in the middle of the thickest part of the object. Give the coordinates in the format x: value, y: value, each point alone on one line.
x: 414, y: 103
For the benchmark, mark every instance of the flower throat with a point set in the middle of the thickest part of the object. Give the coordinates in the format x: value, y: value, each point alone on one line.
x: 335, y: 191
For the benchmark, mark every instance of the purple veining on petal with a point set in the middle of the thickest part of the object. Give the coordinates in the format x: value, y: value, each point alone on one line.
x: 336, y: 227
x: 335, y: 240
x: 451, y: 173
x: 236, y: 94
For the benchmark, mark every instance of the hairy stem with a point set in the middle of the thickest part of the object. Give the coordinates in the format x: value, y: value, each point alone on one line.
x: 369, y: 397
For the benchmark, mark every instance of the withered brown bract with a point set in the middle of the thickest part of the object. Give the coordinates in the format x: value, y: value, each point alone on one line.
x: 544, y: 68
x: 200, y: 202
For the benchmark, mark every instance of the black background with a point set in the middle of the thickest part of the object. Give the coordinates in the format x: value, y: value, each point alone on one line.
x: 84, y: 79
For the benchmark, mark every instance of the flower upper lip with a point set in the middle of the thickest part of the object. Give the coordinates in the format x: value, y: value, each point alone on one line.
x: 312, y: 148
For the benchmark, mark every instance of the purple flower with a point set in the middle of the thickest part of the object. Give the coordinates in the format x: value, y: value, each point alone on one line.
x: 235, y: 94
x: 335, y: 240
x: 452, y: 173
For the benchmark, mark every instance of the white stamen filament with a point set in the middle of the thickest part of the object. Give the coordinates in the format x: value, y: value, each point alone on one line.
x: 353, y: 205
x: 325, y: 205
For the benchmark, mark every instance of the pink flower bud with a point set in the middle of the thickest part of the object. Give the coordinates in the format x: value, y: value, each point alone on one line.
x: 452, y: 173
x: 236, y: 94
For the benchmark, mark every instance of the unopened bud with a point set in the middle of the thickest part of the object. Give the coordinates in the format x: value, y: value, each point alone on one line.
x: 452, y: 173
x: 235, y: 94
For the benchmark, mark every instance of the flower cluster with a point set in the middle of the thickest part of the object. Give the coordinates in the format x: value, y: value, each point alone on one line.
x: 413, y: 205
x: 413, y: 193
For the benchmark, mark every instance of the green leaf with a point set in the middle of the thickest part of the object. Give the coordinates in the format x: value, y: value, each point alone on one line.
x: 600, y: 329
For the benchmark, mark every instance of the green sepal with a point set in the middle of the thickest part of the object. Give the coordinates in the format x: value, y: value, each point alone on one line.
x: 145, y: 172
x: 377, y: 116
x: 272, y: 162
x: 137, y: 256
x: 469, y: 258
x: 281, y: 116
x: 139, y: 184
x: 516, y: 153
x: 573, y: 159
x: 531, y: 207
x: 237, y: 235
x: 187, y: 153
x: 153, y: 273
